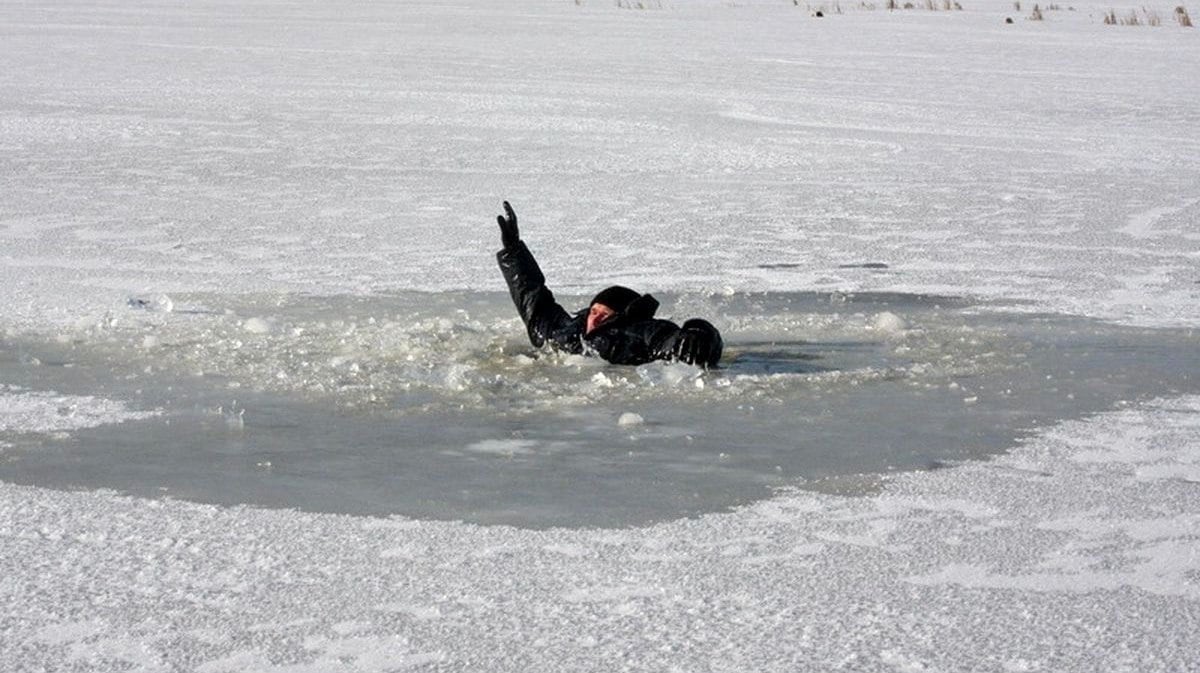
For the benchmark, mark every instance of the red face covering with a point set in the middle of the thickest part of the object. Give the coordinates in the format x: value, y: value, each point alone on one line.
x: 598, y: 315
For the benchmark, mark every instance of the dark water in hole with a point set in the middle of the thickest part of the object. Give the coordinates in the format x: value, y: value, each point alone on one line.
x: 431, y: 406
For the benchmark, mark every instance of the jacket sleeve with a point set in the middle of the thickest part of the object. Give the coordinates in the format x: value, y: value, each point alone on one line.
x: 636, y: 343
x: 697, y: 342
x: 535, y: 302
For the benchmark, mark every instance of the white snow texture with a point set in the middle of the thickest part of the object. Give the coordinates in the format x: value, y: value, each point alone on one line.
x: 154, y: 148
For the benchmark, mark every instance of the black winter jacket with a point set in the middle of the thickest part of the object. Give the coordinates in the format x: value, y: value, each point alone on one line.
x: 634, y: 337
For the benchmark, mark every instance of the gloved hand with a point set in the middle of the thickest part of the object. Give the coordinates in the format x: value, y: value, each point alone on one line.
x: 698, y: 343
x: 508, y: 227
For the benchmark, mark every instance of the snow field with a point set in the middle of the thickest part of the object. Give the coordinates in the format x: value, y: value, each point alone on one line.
x: 295, y: 148
x: 1075, y: 552
x: 363, y: 148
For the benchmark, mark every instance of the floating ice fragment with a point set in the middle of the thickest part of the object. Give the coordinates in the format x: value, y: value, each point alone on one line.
x: 889, y: 323
x: 629, y: 419
x: 257, y: 326
x: 503, y: 447
x: 159, y: 303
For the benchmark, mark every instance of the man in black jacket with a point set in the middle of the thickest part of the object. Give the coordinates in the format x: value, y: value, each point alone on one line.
x: 619, y: 324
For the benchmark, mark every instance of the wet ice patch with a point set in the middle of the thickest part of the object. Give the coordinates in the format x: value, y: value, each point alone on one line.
x: 26, y: 411
x: 1145, y: 224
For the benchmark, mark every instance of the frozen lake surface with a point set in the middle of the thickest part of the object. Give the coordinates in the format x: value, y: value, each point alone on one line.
x: 904, y: 221
x: 432, y: 406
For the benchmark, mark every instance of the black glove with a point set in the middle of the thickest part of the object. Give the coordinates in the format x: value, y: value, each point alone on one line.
x: 698, y: 343
x: 508, y: 227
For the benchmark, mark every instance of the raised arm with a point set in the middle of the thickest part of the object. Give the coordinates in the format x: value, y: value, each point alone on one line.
x: 535, y: 302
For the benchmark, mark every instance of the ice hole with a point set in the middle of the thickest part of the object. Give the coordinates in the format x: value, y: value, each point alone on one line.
x: 432, y: 405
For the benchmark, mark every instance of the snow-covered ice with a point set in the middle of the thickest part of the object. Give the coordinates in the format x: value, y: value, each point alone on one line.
x: 26, y: 411
x: 153, y: 155
x: 1037, y: 560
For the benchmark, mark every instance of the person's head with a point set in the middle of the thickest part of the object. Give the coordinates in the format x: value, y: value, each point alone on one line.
x: 610, y: 303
